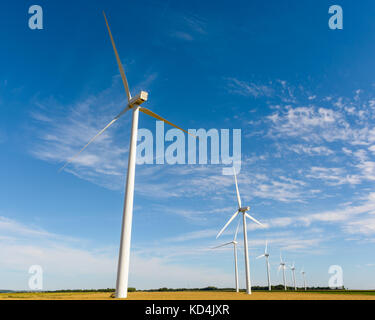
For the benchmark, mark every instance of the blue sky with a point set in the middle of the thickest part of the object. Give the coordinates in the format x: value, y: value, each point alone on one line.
x: 302, y: 94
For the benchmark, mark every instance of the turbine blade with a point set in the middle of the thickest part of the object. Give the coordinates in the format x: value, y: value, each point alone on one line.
x: 92, y: 139
x: 238, y: 193
x: 226, y: 225
x: 238, y: 225
x: 255, y: 220
x: 262, y: 255
x: 154, y: 115
x: 123, y: 77
x: 222, y: 245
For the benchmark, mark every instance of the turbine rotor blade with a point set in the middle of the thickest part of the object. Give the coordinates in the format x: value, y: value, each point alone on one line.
x: 238, y: 193
x: 262, y: 255
x: 255, y: 220
x: 235, y: 235
x: 226, y: 225
x: 154, y: 115
x: 92, y: 139
x: 222, y: 245
x: 123, y: 77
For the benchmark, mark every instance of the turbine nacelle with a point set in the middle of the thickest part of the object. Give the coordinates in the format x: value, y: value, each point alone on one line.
x: 138, y: 99
x: 244, y: 209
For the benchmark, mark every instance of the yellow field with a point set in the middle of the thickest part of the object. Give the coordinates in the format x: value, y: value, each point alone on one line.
x: 188, y: 295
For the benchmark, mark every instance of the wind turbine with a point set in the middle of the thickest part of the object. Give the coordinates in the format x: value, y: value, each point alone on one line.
x: 234, y: 242
x: 132, y: 104
x: 282, y: 266
x: 293, y: 269
x: 304, y: 279
x: 245, y: 215
x: 266, y: 255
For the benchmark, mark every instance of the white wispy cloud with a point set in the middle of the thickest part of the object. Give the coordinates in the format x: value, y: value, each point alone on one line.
x: 244, y: 88
x: 333, y: 176
x: 61, y: 131
x: 67, y: 264
x: 182, y: 35
x: 368, y: 169
x: 311, y: 150
x: 348, y: 215
x: 303, y: 122
x: 363, y: 226
x: 188, y: 27
x: 62, y: 258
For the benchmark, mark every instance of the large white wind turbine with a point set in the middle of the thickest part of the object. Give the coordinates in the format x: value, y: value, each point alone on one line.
x: 282, y: 266
x: 132, y: 104
x: 293, y: 269
x: 304, y: 279
x: 234, y: 242
x: 266, y: 255
x: 245, y: 215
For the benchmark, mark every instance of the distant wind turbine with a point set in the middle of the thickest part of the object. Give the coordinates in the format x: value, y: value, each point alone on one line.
x: 234, y: 242
x: 245, y: 215
x: 304, y: 279
x: 266, y: 255
x: 132, y: 104
x: 293, y: 269
x: 282, y: 266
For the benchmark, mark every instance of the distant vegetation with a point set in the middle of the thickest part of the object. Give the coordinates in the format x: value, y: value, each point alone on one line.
x: 209, y: 288
x: 255, y: 288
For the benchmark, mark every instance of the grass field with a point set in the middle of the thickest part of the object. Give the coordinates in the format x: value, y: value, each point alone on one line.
x: 193, y: 295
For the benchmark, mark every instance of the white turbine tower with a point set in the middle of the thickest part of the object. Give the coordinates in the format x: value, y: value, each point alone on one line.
x: 234, y: 242
x: 304, y: 279
x: 245, y: 215
x: 132, y: 104
x: 293, y: 269
x: 266, y: 255
x: 282, y: 266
